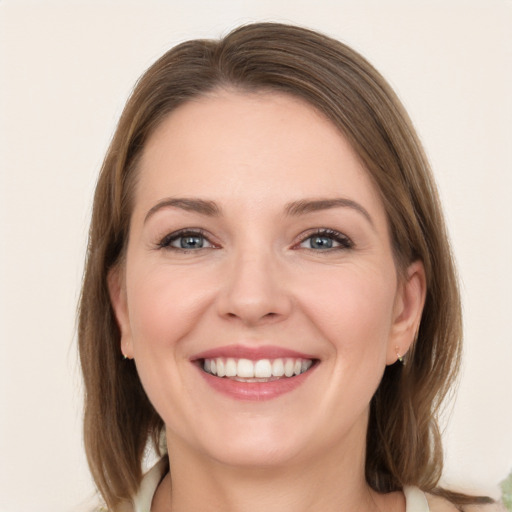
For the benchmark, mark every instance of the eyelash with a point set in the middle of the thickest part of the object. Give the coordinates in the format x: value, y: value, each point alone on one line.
x: 344, y: 241
x: 167, y: 240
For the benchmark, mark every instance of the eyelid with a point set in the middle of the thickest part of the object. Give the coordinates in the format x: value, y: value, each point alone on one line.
x: 340, y: 238
x: 165, y: 242
x: 344, y: 241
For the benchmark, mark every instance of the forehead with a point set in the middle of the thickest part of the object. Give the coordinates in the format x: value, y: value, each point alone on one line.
x: 260, y: 147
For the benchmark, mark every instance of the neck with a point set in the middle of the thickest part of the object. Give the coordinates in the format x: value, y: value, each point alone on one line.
x: 334, y: 482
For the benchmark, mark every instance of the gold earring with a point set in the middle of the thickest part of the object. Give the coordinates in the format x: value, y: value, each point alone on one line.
x: 399, y: 357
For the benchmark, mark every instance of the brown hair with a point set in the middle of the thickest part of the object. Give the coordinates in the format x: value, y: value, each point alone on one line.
x: 403, y: 442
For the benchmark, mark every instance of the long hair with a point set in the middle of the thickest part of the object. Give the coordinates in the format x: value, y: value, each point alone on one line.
x: 403, y: 441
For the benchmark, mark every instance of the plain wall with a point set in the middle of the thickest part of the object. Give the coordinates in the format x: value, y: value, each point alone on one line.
x: 66, y: 69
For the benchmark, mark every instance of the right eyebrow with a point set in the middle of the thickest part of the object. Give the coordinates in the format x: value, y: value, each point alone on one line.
x: 305, y: 206
x: 202, y: 206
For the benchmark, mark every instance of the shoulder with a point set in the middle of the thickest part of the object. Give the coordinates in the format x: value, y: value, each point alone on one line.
x: 440, y: 504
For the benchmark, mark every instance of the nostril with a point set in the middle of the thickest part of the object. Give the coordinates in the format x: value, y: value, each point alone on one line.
x: 270, y: 316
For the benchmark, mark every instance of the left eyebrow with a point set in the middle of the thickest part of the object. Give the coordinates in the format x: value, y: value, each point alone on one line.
x: 305, y: 206
x: 201, y: 206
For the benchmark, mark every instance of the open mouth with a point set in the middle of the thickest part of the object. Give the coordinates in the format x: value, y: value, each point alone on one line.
x: 261, y: 370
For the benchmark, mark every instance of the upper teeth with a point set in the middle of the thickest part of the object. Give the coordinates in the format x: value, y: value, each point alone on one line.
x: 262, y: 368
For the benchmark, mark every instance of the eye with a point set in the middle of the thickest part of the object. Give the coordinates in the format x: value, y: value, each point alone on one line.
x: 185, y: 240
x: 325, y: 240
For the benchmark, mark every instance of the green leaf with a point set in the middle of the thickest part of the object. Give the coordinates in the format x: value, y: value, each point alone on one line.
x: 506, y: 490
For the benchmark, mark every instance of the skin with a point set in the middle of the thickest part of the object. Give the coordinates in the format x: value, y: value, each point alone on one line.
x: 259, y: 281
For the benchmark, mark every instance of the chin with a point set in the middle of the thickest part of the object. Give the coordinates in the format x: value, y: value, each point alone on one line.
x: 246, y: 442
x: 256, y: 454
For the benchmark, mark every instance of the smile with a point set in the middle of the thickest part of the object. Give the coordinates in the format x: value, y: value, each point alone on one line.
x: 261, y: 370
x: 258, y: 373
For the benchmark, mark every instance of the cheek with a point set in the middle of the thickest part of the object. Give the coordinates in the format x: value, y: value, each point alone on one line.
x: 351, y: 310
x: 354, y: 310
x: 163, y: 305
x: 164, y: 308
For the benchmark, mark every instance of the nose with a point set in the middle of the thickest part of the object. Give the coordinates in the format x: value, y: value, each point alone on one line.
x: 254, y: 289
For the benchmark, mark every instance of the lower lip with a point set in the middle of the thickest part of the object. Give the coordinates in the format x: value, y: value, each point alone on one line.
x: 256, y: 391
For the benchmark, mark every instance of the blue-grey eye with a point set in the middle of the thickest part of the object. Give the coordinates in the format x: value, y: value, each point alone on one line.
x: 321, y: 242
x: 325, y: 240
x: 185, y: 240
x: 189, y: 242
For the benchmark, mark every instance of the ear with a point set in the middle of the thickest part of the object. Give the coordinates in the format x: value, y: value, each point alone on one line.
x: 407, y: 312
x: 117, y: 292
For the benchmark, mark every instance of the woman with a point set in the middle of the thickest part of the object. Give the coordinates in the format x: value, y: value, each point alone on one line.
x: 269, y: 283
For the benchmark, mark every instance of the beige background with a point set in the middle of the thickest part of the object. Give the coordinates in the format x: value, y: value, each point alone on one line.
x: 66, y: 69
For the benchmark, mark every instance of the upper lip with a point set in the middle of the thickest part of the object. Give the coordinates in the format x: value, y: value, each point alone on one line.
x: 252, y: 353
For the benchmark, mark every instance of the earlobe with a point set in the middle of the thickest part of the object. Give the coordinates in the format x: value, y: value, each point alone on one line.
x: 117, y: 292
x: 408, y: 311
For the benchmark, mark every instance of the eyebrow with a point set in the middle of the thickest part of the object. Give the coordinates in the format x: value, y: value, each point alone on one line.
x: 295, y: 208
x: 202, y: 206
x: 305, y: 206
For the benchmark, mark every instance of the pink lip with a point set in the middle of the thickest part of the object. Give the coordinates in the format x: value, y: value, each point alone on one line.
x: 256, y: 391
x: 253, y: 391
x: 252, y: 353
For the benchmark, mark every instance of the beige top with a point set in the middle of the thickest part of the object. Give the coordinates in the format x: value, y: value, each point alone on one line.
x: 414, y: 498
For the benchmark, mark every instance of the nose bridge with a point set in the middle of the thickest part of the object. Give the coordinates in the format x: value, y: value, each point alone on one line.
x: 254, y: 289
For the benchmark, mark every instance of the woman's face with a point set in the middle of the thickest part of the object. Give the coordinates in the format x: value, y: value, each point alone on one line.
x: 259, y: 296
